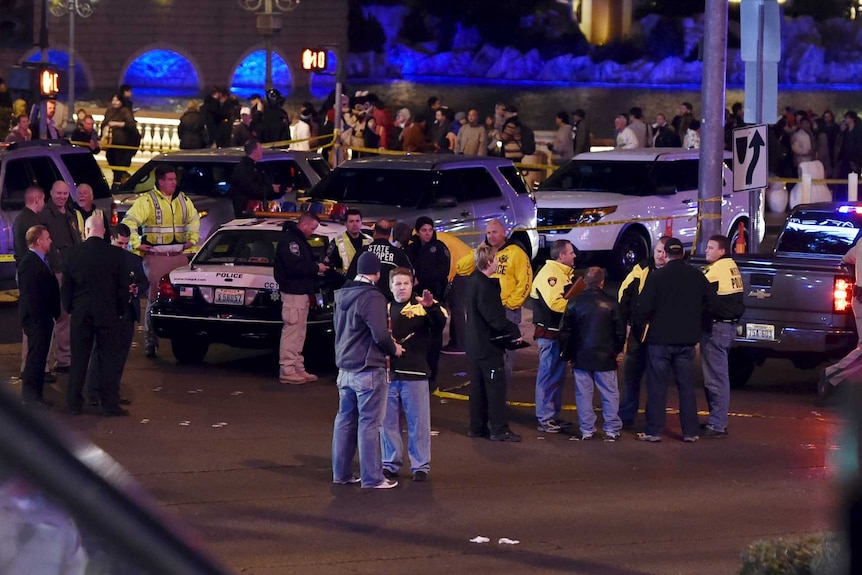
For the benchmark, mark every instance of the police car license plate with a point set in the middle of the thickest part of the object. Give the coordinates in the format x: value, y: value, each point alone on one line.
x: 229, y: 296
x: 760, y: 331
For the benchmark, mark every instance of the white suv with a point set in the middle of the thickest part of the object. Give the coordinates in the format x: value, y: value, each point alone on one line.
x: 634, y: 196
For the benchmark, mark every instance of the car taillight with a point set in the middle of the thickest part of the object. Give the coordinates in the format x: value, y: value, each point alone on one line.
x: 842, y: 295
x: 167, y: 293
x: 115, y: 215
x: 338, y: 213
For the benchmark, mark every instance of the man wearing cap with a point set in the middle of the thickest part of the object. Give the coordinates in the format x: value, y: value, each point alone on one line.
x: 241, y: 132
x: 362, y: 342
x: 670, y: 313
x: 472, y: 139
x: 250, y: 182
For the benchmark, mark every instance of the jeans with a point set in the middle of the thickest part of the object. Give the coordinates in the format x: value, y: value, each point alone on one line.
x: 716, y: 380
x: 606, y: 382
x: 513, y: 315
x: 415, y: 397
x: 488, y: 397
x: 634, y: 368
x: 665, y: 360
x: 549, y: 380
x: 361, y: 404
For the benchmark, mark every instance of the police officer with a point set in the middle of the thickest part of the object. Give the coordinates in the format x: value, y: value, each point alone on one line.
x: 390, y: 256
x: 347, y: 245
x: 164, y: 226
x: 725, y: 279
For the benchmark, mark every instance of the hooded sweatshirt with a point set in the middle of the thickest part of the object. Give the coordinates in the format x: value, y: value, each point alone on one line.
x: 362, y: 339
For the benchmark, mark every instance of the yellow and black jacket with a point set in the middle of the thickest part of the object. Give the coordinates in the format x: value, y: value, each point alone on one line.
x: 158, y: 220
x: 549, y: 288
x: 514, y: 272
x: 725, y: 279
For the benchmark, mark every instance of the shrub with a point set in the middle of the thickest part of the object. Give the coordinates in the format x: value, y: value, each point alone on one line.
x: 816, y: 554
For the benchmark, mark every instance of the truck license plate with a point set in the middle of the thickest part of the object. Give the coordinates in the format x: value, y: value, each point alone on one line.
x: 229, y: 296
x: 760, y: 331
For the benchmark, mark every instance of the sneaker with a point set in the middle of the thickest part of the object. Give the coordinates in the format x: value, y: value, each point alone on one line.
x: 448, y: 349
x: 292, y: 379
x: 549, y: 427
x: 420, y: 476
x: 612, y: 437
x: 690, y: 438
x: 824, y: 388
x: 389, y: 474
x: 150, y: 351
x: 507, y: 436
x: 649, y: 438
x: 352, y: 481
x: 309, y: 377
x: 710, y: 433
x: 563, y: 424
x: 387, y: 484
x: 588, y: 436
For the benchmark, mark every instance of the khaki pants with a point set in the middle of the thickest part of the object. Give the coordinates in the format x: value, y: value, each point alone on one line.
x: 61, y: 348
x: 294, y: 314
x: 155, y: 267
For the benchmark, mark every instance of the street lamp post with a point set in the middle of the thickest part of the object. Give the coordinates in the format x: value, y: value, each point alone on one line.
x: 84, y: 9
x: 268, y: 24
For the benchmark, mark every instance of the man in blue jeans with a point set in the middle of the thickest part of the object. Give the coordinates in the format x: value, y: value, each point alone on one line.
x: 670, y: 315
x: 726, y: 281
x: 549, y: 302
x: 362, y: 342
x: 414, y: 324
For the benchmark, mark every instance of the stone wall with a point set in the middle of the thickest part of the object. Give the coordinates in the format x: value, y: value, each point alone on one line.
x: 214, y: 36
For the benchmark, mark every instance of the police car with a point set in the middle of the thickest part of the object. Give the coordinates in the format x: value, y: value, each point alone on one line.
x: 227, y: 293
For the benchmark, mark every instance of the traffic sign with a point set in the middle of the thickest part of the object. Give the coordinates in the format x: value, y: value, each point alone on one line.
x: 750, y: 158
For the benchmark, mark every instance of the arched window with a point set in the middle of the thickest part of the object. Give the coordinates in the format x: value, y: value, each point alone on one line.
x: 162, y: 72
x: 250, y: 76
x: 322, y: 83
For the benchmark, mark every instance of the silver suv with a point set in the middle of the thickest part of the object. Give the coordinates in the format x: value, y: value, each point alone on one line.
x: 460, y: 193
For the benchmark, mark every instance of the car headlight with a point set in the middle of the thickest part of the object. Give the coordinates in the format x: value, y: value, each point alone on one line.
x: 593, y: 215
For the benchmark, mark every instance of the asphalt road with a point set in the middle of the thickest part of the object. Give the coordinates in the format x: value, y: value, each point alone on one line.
x: 245, y: 461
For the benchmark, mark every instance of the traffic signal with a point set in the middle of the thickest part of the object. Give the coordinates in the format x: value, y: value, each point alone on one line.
x: 49, y: 81
x: 313, y: 59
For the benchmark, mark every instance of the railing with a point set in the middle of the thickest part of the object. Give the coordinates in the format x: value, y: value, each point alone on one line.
x: 158, y: 135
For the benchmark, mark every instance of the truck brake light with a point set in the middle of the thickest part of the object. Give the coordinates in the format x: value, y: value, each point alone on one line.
x: 842, y: 295
x: 167, y: 293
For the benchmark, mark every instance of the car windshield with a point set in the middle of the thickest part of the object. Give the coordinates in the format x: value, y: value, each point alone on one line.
x: 627, y: 178
x: 830, y: 232
x: 85, y: 170
x: 398, y: 188
x: 249, y: 247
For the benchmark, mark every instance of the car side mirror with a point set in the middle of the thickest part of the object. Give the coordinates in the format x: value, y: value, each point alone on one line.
x: 445, y: 202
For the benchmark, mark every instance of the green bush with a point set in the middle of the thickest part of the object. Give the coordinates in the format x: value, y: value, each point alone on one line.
x: 816, y: 554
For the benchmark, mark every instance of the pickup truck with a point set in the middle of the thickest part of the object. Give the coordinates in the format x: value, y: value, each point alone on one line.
x: 798, y: 298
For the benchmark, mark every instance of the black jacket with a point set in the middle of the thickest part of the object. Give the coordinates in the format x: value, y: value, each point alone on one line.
x: 592, y: 332
x: 249, y: 182
x: 64, y: 231
x: 192, y: 131
x: 667, y: 138
x: 672, y: 305
x: 134, y: 271
x: 431, y: 265
x: 390, y: 258
x: 39, y: 300
x: 486, y: 318
x: 295, y: 264
x: 421, y: 323
x: 96, y: 283
x: 25, y: 220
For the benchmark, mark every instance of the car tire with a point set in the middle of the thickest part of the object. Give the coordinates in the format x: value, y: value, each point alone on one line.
x: 631, y: 248
x: 740, y: 366
x: 189, y: 350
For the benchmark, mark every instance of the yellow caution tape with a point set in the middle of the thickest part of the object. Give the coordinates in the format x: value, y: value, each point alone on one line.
x: 7, y: 258
x: 9, y: 296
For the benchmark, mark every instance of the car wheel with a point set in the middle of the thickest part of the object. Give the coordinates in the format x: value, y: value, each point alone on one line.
x: 189, y: 350
x: 632, y: 247
x: 734, y: 236
x: 740, y: 366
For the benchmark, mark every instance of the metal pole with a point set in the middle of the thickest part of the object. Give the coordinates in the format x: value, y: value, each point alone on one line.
x: 755, y: 201
x: 712, y: 134
x: 267, y: 42
x: 339, y: 87
x: 70, y: 120
x: 43, y: 44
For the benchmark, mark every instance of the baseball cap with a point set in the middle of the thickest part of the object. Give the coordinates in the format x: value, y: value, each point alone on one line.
x: 673, y: 247
x: 245, y: 110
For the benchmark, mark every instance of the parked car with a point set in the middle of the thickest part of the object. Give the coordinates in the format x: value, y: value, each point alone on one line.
x: 460, y: 193
x: 205, y: 175
x: 645, y: 190
x: 798, y: 298
x: 227, y: 294
x: 41, y: 163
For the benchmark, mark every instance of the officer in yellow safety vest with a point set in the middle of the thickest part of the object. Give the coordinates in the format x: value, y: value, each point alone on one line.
x: 165, y: 226
x: 344, y: 248
x: 724, y: 277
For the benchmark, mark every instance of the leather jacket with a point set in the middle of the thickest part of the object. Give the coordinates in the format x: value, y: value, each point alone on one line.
x: 592, y: 332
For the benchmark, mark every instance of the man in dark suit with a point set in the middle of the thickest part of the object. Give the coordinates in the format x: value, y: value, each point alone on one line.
x: 38, y: 307
x: 96, y: 294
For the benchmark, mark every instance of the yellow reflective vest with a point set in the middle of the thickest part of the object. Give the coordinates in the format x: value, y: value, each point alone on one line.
x: 158, y: 220
x: 514, y: 272
x: 97, y: 213
x: 346, y: 251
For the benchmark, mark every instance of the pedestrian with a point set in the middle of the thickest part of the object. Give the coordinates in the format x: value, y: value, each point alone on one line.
x: 251, y: 186
x: 390, y: 257
x: 592, y: 336
x: 663, y: 134
x: 192, y: 130
x: 681, y: 121
x: 340, y: 253
x: 414, y: 325
x: 562, y: 146
x: 489, y: 333
x: 670, y: 313
x: 95, y: 291
x: 164, y: 225
x: 635, y: 361
x: 61, y: 222
x: 85, y: 134
x: 849, y: 368
x: 296, y: 272
x: 472, y: 138
x: 580, y: 132
x: 729, y: 305
x: 117, y: 127
x: 642, y: 130
x: 549, y: 302
x: 38, y: 308
x: 455, y: 291
x: 21, y: 132
x: 430, y: 259
x: 242, y: 132
x: 362, y: 342
x: 84, y: 208
x: 624, y: 137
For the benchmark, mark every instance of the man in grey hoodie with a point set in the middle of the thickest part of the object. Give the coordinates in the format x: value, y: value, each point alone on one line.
x: 362, y: 342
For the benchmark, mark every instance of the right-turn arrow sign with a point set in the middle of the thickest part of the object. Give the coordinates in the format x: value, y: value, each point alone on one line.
x: 750, y: 158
